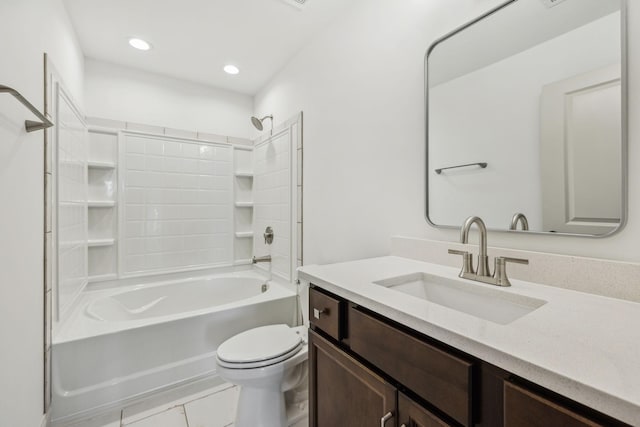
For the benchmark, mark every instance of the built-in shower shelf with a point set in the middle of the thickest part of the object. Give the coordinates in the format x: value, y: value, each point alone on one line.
x: 244, y: 234
x: 101, y: 242
x: 244, y: 174
x: 101, y: 203
x: 244, y: 204
x: 69, y: 203
x: 101, y: 165
x: 103, y: 277
x: 68, y: 244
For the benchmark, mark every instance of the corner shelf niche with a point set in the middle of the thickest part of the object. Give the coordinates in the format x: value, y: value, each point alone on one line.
x: 243, y: 204
x: 102, y: 212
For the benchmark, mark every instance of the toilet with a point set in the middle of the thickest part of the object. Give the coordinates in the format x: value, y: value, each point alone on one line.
x: 265, y: 362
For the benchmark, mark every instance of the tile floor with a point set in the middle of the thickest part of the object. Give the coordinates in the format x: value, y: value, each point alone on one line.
x: 213, y: 407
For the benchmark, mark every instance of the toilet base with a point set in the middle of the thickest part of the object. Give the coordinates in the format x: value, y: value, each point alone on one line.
x: 259, y: 407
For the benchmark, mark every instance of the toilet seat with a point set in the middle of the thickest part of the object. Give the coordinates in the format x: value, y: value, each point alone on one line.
x: 260, y: 347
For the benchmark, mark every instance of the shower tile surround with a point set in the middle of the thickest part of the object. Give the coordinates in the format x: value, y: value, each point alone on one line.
x: 217, y: 151
x: 72, y: 202
x: 177, y: 204
x: 162, y: 200
x: 272, y: 204
x: 278, y: 196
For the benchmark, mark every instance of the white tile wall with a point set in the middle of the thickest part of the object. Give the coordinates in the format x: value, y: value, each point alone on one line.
x: 176, y: 208
x: 72, y: 203
x: 272, y: 201
x: 102, y: 147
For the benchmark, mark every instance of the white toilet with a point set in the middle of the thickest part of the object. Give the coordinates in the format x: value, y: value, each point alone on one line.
x: 265, y: 362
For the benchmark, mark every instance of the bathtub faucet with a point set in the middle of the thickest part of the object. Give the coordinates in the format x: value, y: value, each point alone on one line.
x: 266, y: 258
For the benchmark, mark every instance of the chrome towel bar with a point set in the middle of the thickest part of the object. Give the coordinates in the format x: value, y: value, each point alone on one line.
x: 481, y: 164
x: 29, y: 125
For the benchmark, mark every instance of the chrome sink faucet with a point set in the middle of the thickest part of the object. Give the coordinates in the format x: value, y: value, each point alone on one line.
x: 482, y: 273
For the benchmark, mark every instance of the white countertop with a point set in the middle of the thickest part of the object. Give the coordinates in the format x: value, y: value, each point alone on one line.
x: 582, y: 346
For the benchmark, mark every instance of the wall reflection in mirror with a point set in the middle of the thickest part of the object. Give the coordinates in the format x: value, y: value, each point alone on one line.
x: 534, y: 92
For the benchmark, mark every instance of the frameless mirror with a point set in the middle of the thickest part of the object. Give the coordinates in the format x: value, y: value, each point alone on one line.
x: 526, y: 115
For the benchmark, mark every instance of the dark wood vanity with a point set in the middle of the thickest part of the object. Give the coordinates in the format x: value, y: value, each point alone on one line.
x: 366, y: 370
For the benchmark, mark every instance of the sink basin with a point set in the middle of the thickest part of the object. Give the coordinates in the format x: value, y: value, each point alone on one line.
x: 474, y: 299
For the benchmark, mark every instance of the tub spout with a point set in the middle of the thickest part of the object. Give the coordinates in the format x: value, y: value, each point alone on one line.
x: 266, y: 258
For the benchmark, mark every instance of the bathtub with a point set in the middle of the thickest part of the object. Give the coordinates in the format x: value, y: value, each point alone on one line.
x: 128, y: 342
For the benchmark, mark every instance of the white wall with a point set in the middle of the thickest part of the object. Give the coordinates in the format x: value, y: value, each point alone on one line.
x: 29, y: 28
x: 360, y: 84
x: 120, y: 93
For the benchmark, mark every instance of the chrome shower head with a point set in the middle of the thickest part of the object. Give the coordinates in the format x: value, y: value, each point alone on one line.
x: 257, y: 123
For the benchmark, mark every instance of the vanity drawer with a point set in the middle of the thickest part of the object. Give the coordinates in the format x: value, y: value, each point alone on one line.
x: 524, y: 408
x: 435, y: 375
x: 325, y: 313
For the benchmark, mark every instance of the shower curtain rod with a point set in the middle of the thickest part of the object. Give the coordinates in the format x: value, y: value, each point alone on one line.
x: 29, y: 125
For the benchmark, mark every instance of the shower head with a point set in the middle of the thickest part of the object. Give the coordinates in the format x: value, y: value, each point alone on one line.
x: 257, y: 123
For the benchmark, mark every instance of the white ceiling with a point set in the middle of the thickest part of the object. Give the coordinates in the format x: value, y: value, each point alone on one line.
x: 193, y: 39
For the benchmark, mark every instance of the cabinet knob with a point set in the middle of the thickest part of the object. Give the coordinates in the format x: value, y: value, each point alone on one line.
x: 386, y: 418
x: 317, y: 313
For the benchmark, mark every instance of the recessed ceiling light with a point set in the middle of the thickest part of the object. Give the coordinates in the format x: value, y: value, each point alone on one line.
x: 139, y: 44
x: 231, y: 69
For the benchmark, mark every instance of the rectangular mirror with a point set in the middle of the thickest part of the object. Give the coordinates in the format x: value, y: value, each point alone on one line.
x: 526, y: 114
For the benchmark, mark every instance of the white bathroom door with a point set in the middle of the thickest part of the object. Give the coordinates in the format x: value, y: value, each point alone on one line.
x: 581, y: 158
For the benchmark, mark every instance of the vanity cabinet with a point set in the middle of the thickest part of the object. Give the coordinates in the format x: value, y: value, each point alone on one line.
x: 524, y: 407
x: 412, y: 414
x: 435, y: 375
x: 346, y: 393
x: 364, y: 367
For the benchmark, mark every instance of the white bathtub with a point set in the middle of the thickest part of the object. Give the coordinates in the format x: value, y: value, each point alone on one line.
x: 129, y: 341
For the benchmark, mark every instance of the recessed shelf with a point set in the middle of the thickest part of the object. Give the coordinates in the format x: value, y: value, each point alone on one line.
x: 101, y: 203
x: 244, y: 204
x: 72, y: 162
x: 103, y: 277
x: 68, y: 244
x: 244, y: 174
x: 244, y: 234
x: 68, y: 203
x: 101, y: 242
x: 101, y: 165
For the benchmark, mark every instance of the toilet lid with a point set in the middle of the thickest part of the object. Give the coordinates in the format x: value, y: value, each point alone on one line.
x: 260, y: 344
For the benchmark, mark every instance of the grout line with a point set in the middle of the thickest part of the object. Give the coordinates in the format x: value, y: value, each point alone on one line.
x: 186, y: 417
x: 150, y: 415
x: 184, y: 411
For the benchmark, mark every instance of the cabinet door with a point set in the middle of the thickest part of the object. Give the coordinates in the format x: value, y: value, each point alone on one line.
x: 411, y: 414
x: 523, y: 408
x: 343, y: 392
x: 435, y: 375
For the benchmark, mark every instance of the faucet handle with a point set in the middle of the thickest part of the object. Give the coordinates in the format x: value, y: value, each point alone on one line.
x: 467, y: 261
x: 500, y: 272
x: 515, y: 260
x: 457, y: 252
